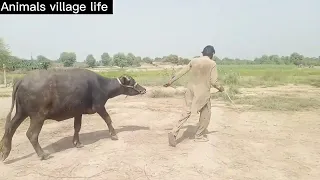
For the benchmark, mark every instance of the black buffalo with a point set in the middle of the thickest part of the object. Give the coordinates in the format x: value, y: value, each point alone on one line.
x: 60, y: 95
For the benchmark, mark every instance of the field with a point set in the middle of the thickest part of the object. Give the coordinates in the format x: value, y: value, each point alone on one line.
x: 271, y: 132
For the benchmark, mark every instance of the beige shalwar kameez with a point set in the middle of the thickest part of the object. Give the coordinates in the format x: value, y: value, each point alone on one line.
x: 203, y: 75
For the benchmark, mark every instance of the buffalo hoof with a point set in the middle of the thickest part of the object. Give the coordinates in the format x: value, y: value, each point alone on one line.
x: 4, y: 155
x: 4, y: 152
x: 114, y: 137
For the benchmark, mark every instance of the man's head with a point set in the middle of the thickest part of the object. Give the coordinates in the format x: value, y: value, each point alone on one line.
x: 208, y: 51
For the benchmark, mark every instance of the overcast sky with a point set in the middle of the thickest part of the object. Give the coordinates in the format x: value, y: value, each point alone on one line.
x: 236, y: 28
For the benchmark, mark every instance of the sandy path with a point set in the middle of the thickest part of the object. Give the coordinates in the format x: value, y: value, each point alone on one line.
x: 248, y: 145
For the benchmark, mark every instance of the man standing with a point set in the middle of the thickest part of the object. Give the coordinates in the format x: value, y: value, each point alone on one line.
x: 197, y: 97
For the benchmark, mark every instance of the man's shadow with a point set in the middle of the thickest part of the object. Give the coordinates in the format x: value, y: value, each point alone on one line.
x: 85, y: 138
x: 190, y: 132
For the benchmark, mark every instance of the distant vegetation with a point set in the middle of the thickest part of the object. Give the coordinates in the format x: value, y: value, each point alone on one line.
x: 266, y: 70
x: 69, y: 59
x: 235, y: 74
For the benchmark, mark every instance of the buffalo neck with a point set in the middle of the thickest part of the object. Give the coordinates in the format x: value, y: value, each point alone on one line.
x: 112, y: 87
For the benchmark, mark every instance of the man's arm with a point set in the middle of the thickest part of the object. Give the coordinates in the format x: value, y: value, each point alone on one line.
x: 214, y: 79
x: 179, y: 74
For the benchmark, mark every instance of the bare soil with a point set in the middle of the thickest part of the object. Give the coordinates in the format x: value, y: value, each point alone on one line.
x: 243, y: 145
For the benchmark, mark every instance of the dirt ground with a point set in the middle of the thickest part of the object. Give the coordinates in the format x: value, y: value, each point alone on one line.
x: 243, y: 145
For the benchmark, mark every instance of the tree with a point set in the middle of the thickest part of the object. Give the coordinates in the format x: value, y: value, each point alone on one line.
x: 217, y: 59
x: 106, y: 60
x: 138, y: 59
x: 68, y: 58
x: 157, y: 59
x: 15, y: 63
x: 130, y: 59
x: 286, y: 60
x: 120, y: 60
x: 4, y: 53
x: 90, y: 61
x: 43, y: 62
x: 275, y: 59
x: 296, y: 58
x: 183, y: 61
x: 174, y: 59
x: 147, y: 60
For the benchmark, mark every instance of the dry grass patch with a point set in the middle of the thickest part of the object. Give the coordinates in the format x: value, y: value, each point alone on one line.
x: 281, y: 103
x: 166, y: 92
x: 5, y: 95
x: 273, y: 102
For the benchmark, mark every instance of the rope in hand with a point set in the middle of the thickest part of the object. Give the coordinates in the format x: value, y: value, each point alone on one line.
x: 233, y: 104
x: 229, y: 97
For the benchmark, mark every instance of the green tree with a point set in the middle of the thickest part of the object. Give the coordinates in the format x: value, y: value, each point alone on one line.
x: 183, y: 61
x: 217, y: 59
x: 120, y: 60
x: 130, y: 59
x: 106, y: 60
x: 157, y: 59
x: 296, y: 58
x: 286, y: 60
x: 275, y: 59
x: 68, y: 58
x: 174, y: 59
x: 15, y: 63
x: 147, y: 60
x: 138, y: 60
x: 90, y: 61
x: 4, y: 53
x: 43, y: 62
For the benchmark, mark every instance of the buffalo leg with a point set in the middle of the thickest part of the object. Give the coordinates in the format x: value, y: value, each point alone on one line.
x: 77, y: 127
x: 10, y: 129
x: 106, y: 117
x: 33, y: 132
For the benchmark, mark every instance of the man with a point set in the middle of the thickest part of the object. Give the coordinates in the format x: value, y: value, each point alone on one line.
x: 197, y: 97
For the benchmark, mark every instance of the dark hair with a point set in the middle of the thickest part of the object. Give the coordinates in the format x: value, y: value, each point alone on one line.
x: 208, y: 51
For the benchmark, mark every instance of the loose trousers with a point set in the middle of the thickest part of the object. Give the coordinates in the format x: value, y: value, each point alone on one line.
x: 204, y: 120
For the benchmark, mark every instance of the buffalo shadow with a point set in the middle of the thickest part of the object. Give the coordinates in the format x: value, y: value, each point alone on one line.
x: 85, y: 138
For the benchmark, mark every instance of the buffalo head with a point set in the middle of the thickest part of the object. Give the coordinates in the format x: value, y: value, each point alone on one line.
x: 130, y: 86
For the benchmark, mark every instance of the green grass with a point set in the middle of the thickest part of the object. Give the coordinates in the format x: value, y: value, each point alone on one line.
x: 279, y: 103
x: 232, y: 77
x: 239, y: 75
x: 242, y: 76
x: 147, y: 78
x: 270, y: 103
x: 269, y: 75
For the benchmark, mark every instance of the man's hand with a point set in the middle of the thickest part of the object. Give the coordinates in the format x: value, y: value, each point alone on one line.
x: 221, y: 89
x: 167, y: 85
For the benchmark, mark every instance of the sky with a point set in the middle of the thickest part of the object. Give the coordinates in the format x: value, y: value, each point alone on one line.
x: 242, y: 29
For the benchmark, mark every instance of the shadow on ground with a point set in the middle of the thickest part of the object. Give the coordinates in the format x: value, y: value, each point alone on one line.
x: 190, y: 132
x: 85, y: 138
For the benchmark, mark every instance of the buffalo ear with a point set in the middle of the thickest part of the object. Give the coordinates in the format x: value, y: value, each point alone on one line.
x: 127, y: 78
x: 124, y: 80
